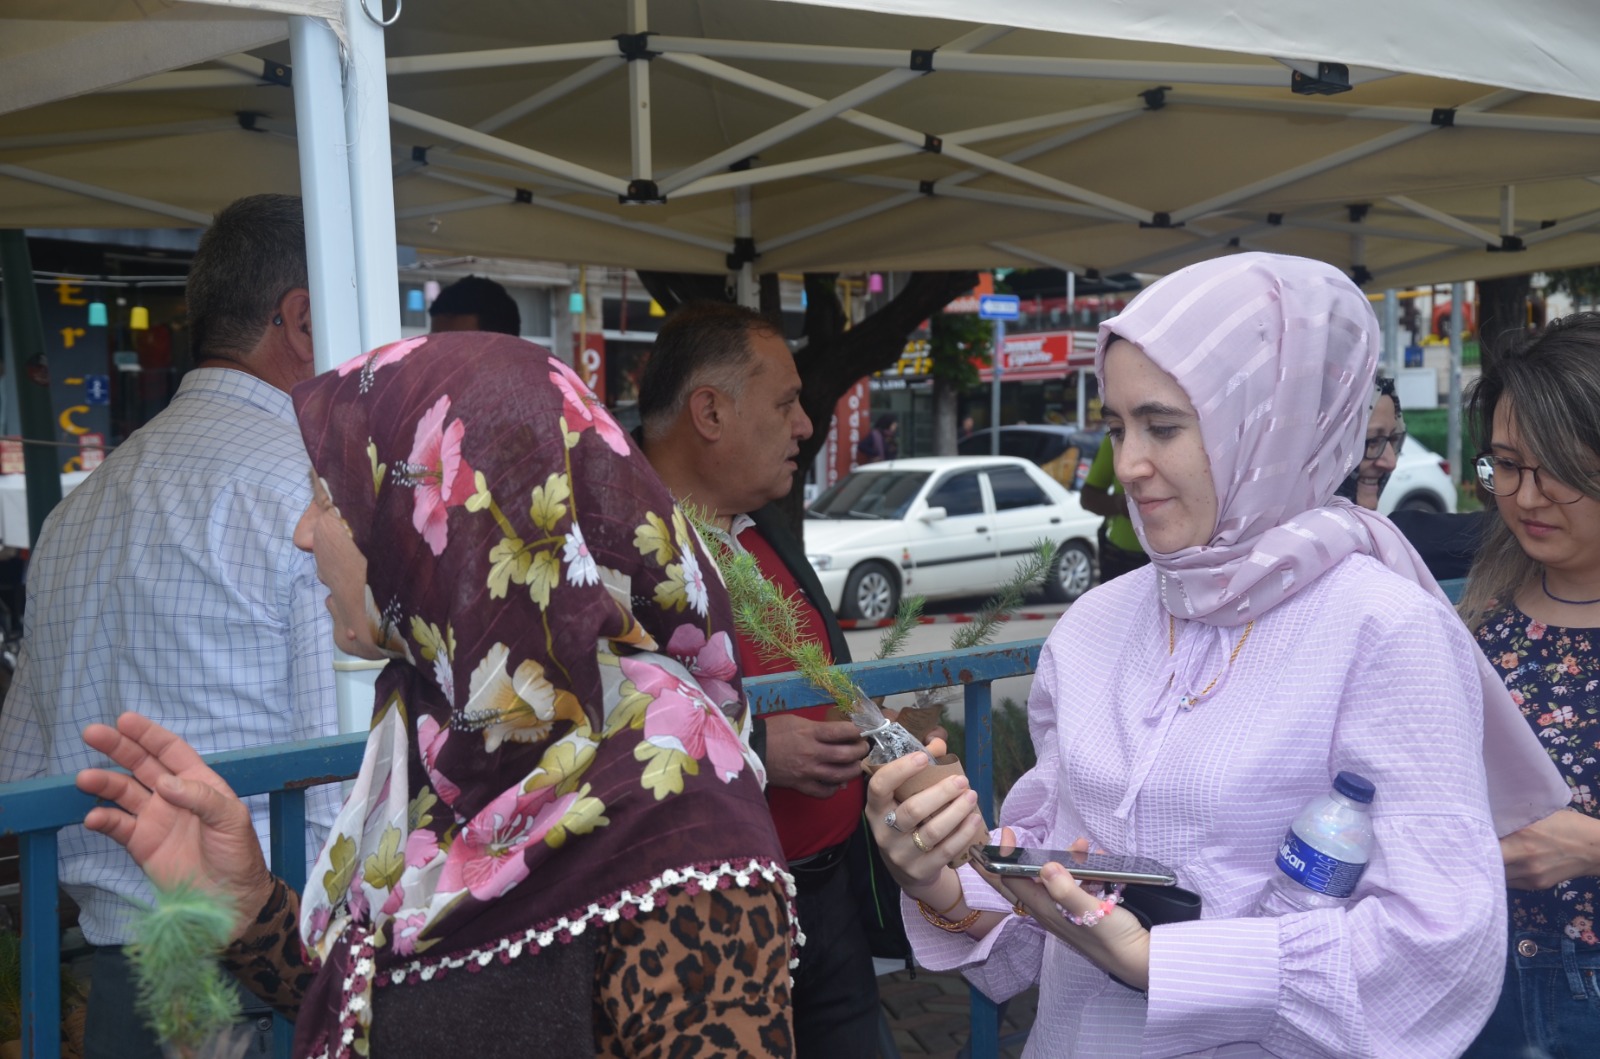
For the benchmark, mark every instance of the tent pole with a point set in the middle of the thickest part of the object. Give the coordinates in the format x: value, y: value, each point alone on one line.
x: 802, y: 234
x: 449, y: 62
x: 1576, y: 224
x: 118, y: 134
x: 1388, y: 359
x: 1247, y: 74
x: 639, y: 98
x: 1458, y: 292
x: 517, y: 111
x: 1022, y: 126
x: 575, y: 210
x: 325, y: 189
x: 330, y: 246
x: 1318, y: 224
x: 747, y: 292
x: 42, y: 479
x: 1041, y: 259
x: 91, y: 191
x: 787, y: 170
x: 785, y: 130
x: 470, y: 137
x: 1482, y: 236
x: 412, y: 213
x: 1300, y: 172
x: 822, y: 110
x: 366, y: 128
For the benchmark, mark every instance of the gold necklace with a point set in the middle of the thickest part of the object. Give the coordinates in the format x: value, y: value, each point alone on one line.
x: 1172, y: 643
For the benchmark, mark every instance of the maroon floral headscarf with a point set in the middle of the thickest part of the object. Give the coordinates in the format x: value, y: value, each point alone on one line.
x: 558, y: 737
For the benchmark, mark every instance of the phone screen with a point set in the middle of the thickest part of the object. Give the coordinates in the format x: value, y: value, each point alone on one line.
x: 1094, y: 867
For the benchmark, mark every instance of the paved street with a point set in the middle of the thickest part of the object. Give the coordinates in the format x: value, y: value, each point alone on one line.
x: 926, y: 639
x: 929, y: 1015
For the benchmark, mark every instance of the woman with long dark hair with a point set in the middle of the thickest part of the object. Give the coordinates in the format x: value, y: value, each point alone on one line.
x: 1533, y: 602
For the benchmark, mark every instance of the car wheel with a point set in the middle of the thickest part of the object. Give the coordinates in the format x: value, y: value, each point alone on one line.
x: 871, y: 594
x: 1420, y: 502
x: 1071, y: 574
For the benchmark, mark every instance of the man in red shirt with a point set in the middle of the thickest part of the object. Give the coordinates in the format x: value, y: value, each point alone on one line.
x: 722, y: 424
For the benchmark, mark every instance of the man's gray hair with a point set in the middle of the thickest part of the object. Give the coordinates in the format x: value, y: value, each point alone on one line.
x: 252, y: 255
x: 701, y: 344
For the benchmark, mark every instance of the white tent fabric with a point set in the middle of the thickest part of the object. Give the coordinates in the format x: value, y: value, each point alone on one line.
x: 55, y: 49
x: 1533, y: 45
x: 517, y: 127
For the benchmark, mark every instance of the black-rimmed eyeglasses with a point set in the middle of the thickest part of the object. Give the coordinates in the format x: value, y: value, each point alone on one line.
x: 1503, y: 477
x: 1376, y: 443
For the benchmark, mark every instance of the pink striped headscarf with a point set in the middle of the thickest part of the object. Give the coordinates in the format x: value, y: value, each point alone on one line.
x: 1277, y: 355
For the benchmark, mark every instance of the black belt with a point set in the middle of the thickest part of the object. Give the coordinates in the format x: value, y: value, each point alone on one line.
x: 813, y: 871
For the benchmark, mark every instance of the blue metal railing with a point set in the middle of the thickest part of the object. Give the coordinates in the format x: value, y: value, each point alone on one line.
x: 36, y: 809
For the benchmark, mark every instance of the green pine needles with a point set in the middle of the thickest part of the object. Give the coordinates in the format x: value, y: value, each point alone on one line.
x: 183, y: 995
x: 905, y: 619
x: 770, y: 619
x: 1030, y: 571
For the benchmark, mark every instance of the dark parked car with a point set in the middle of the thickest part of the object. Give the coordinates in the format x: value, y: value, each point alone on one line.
x: 1064, y: 452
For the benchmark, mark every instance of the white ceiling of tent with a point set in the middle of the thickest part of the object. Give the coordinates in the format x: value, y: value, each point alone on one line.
x: 1049, y: 152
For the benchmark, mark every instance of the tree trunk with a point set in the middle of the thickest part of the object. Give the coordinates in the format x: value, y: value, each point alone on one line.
x: 1502, y: 314
x: 832, y: 355
x: 946, y: 401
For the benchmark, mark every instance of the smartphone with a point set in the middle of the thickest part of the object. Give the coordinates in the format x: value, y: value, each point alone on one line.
x: 1089, y: 867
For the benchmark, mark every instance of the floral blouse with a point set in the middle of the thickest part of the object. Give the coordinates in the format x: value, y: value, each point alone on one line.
x: 1553, y: 675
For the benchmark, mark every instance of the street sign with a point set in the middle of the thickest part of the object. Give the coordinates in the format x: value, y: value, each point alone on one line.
x: 999, y: 307
x: 97, y: 389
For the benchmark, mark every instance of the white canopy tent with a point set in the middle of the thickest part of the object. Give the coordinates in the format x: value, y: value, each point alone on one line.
x: 818, y: 138
x: 1457, y: 140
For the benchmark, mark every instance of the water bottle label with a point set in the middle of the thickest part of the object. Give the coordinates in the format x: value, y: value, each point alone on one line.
x: 1316, y: 870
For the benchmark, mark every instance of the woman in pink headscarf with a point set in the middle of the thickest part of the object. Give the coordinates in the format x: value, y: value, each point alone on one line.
x: 1187, y: 711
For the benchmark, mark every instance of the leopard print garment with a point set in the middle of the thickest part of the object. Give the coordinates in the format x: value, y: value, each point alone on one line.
x: 699, y: 975
x: 706, y: 975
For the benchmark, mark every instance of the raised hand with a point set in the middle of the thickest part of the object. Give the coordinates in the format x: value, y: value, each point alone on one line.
x: 176, y: 817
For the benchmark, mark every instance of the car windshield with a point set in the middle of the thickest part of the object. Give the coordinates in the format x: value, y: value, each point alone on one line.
x: 870, y: 494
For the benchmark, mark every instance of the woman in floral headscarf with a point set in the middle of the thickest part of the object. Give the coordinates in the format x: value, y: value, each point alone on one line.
x: 1187, y: 711
x: 557, y: 843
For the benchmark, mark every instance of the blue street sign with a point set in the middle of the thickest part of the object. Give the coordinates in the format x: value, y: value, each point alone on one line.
x: 97, y: 389
x: 999, y: 307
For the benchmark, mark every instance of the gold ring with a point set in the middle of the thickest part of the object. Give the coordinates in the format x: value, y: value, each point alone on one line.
x: 1019, y: 910
x: 916, y: 840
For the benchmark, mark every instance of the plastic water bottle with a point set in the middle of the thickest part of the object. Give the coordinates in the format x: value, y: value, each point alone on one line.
x: 1326, y: 850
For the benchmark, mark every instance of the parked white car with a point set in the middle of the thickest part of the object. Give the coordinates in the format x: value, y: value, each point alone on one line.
x: 1420, y: 482
x: 940, y: 527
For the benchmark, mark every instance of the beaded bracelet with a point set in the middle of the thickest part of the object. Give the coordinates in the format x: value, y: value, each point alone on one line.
x: 957, y: 926
x: 1095, y: 915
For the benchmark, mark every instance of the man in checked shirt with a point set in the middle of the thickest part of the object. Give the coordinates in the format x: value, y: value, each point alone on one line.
x: 169, y: 583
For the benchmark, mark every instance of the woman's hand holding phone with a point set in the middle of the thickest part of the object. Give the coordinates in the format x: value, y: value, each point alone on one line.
x: 1116, y: 943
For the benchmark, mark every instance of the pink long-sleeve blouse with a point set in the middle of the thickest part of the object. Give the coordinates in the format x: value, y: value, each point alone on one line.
x: 1362, y: 671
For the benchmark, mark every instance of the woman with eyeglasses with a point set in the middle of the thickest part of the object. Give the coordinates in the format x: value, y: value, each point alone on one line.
x: 1386, y: 435
x: 1533, y: 601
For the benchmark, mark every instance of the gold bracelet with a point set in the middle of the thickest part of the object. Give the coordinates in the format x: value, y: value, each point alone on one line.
x: 951, y: 907
x: 951, y: 926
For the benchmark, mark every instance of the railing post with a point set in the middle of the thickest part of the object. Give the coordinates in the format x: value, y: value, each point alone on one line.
x: 983, y: 1041
x: 286, y: 810
x: 41, y: 947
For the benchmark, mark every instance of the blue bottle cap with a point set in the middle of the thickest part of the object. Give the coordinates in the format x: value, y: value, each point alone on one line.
x: 1355, y: 787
